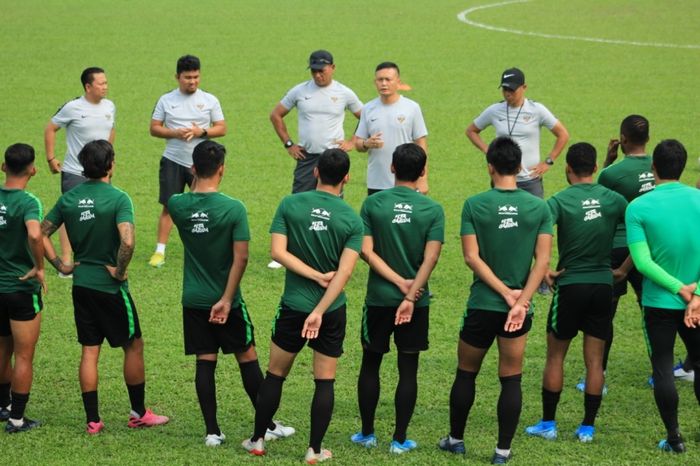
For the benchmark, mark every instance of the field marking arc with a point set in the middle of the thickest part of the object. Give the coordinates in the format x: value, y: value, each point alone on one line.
x: 463, y: 17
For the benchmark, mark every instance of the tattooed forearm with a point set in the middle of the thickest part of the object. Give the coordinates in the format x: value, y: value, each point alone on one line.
x: 126, y: 247
x: 48, y: 228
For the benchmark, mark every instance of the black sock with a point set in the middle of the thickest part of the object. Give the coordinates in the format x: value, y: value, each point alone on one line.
x: 252, y: 377
x: 550, y: 400
x: 5, y: 399
x: 461, y: 401
x: 205, y: 384
x: 406, y: 393
x: 137, y: 395
x: 321, y: 412
x: 368, y: 387
x: 19, y: 402
x: 510, y: 403
x: 269, y: 396
x: 90, y: 405
x: 591, y: 403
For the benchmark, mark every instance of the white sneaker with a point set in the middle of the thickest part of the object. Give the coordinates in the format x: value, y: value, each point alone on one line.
x: 313, y: 458
x: 681, y: 374
x: 274, y: 265
x: 213, y: 440
x: 280, y: 431
x: 256, y: 448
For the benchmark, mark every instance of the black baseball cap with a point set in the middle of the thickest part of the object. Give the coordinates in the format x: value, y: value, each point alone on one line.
x: 512, y: 78
x: 319, y: 59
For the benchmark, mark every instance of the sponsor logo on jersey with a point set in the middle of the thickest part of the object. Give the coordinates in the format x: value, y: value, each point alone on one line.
x: 646, y: 187
x: 320, y: 213
x: 318, y: 226
x: 401, y: 218
x: 86, y: 203
x: 307, y: 97
x: 507, y: 223
x: 401, y: 119
x: 199, y: 217
x: 83, y: 116
x: 3, y: 222
x: 591, y: 215
x: 199, y: 228
x: 403, y: 207
x: 373, y: 119
x: 590, y: 204
x: 507, y: 210
x: 3, y: 209
x: 646, y: 176
x: 86, y: 215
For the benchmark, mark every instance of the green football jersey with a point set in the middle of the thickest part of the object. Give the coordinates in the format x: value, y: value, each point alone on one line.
x: 668, y: 220
x: 318, y: 226
x: 631, y: 177
x: 16, y: 208
x: 208, y: 224
x: 586, y: 216
x: 506, y: 224
x: 400, y: 221
x: 91, y: 212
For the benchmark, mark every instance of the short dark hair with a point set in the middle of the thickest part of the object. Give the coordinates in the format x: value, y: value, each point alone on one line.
x: 207, y: 157
x: 88, y: 75
x: 96, y: 157
x: 409, y: 161
x: 636, y: 129
x: 504, y: 155
x: 188, y: 63
x: 669, y: 159
x: 581, y: 157
x: 18, y: 157
x: 333, y: 165
x: 386, y: 65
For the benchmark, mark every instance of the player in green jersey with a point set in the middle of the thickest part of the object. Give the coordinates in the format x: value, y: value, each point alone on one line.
x: 586, y: 215
x: 99, y: 220
x: 214, y: 231
x: 21, y: 281
x: 404, y: 232
x: 662, y: 235
x: 317, y: 237
x: 502, y: 230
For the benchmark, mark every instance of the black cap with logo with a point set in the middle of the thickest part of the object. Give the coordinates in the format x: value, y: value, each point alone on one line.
x: 319, y: 59
x: 512, y: 78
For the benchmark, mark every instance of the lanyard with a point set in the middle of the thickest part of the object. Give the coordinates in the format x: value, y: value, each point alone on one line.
x: 511, y: 128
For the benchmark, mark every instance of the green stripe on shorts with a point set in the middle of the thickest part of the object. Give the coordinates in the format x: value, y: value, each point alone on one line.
x: 365, y: 329
x: 555, y: 308
x: 129, y: 310
x: 35, y: 303
x: 274, y: 320
x: 248, y: 323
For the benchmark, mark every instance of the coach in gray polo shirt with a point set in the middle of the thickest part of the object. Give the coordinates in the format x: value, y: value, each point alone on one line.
x: 387, y: 122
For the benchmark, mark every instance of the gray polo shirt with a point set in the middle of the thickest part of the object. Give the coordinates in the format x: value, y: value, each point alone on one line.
x: 399, y: 123
x: 84, y: 122
x: 321, y: 112
x: 522, y: 125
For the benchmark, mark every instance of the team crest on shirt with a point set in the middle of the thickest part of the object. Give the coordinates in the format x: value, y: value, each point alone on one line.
x: 507, y: 210
x: 591, y: 207
x: 401, y: 119
x: 199, y: 220
x: 334, y: 99
x: 108, y: 116
x: 402, y: 213
x: 200, y: 107
x: 527, y: 117
x: 508, y: 222
x: 323, y: 215
x: 646, y: 180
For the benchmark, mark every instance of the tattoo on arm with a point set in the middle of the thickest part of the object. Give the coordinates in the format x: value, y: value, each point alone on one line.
x: 126, y: 247
x: 48, y: 228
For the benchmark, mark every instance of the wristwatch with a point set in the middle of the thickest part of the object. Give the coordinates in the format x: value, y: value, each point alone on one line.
x: 204, y: 133
x: 549, y: 161
x: 288, y: 143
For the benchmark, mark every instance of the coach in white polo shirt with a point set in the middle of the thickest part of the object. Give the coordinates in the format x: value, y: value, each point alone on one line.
x: 185, y: 117
x: 321, y: 103
x: 86, y: 118
x: 521, y: 119
x: 387, y: 122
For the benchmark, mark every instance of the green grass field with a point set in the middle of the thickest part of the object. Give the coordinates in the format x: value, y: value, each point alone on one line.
x: 252, y: 53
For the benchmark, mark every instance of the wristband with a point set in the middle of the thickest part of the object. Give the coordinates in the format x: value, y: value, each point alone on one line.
x: 51, y: 159
x: 406, y: 298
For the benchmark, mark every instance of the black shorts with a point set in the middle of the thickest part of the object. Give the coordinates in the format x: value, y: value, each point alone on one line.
x: 18, y: 306
x: 480, y: 327
x: 287, y: 326
x: 581, y: 306
x: 617, y: 257
x: 172, y: 178
x: 304, y: 179
x: 203, y: 337
x: 378, y: 325
x: 70, y: 181
x: 100, y: 315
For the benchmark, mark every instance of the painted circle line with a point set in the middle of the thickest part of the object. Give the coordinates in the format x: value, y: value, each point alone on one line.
x: 463, y: 17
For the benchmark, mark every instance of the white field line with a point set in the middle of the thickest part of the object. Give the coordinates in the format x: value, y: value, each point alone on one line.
x: 463, y: 17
